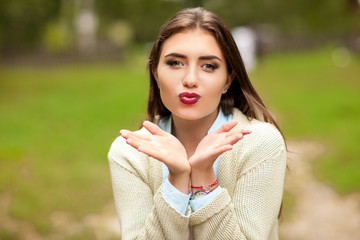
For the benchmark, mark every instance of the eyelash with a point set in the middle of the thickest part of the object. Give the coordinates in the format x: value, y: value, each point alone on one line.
x: 208, y: 67
x: 173, y: 63
x: 211, y: 66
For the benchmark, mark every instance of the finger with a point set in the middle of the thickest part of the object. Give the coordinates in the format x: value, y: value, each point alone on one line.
x: 233, y: 138
x: 136, y: 143
x: 238, y: 131
x: 135, y: 140
x: 152, y: 151
x: 219, y: 150
x: 224, y: 148
x: 124, y: 132
x: 226, y: 127
x: 245, y: 131
x: 153, y: 128
x: 128, y: 134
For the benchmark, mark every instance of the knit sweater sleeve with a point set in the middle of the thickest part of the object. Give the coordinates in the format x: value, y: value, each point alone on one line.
x: 251, y: 211
x: 143, y: 214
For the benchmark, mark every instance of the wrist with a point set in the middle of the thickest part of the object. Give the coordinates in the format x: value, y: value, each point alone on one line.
x: 180, y: 181
x: 201, y: 164
x: 202, y: 177
x: 199, y: 191
x: 206, y: 188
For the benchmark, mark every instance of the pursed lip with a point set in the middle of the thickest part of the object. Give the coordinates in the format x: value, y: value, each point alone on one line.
x: 189, y: 98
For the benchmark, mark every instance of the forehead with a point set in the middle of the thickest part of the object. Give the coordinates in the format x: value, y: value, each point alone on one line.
x: 192, y: 42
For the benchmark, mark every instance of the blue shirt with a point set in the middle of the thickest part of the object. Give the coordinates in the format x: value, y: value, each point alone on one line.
x: 172, y: 195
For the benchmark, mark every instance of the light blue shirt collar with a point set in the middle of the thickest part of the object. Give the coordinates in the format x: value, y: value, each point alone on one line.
x: 165, y: 123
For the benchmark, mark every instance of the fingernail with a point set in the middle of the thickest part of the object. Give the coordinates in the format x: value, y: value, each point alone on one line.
x: 123, y: 133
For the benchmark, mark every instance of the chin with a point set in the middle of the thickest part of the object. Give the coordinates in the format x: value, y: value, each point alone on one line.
x: 192, y: 114
x: 189, y: 117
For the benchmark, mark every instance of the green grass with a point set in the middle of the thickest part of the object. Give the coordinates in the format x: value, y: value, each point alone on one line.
x: 57, y: 125
x: 315, y: 99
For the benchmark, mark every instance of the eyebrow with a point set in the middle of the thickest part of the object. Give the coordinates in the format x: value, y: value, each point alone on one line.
x: 201, y: 57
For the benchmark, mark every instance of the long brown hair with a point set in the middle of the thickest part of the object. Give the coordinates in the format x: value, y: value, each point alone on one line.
x: 241, y: 94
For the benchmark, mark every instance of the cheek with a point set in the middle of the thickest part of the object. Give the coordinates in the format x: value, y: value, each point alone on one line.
x: 167, y: 92
x: 167, y: 81
x: 164, y: 86
x: 217, y: 85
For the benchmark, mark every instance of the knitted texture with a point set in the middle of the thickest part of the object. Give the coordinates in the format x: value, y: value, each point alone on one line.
x: 251, y: 175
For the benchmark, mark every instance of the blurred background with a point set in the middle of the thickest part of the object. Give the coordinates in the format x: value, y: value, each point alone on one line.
x: 73, y: 73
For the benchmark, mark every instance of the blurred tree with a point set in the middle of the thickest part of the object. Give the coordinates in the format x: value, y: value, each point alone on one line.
x: 86, y: 22
x: 304, y: 16
x: 144, y: 16
x: 59, y: 34
x: 25, y: 24
x: 303, y: 21
x: 56, y: 37
x: 193, y: 3
x: 22, y: 22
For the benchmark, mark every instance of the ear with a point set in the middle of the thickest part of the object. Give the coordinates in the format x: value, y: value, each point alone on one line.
x: 230, y: 78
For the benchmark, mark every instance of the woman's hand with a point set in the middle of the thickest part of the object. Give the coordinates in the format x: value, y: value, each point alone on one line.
x: 210, y: 147
x: 165, y: 148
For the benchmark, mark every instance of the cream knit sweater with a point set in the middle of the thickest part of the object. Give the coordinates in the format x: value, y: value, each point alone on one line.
x: 251, y: 175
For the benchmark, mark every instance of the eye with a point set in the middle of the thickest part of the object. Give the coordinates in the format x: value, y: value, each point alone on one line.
x: 174, y: 63
x: 210, y: 67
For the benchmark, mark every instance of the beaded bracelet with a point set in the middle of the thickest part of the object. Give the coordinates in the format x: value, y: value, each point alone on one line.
x: 206, y: 187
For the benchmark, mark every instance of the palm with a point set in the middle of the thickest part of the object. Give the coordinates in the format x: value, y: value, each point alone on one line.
x: 161, y: 146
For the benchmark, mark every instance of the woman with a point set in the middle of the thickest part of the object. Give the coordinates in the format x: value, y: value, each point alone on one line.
x: 210, y: 161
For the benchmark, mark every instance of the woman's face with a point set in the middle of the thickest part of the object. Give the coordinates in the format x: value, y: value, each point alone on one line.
x: 192, y: 75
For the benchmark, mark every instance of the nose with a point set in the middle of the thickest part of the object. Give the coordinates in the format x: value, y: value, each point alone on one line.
x: 191, y: 78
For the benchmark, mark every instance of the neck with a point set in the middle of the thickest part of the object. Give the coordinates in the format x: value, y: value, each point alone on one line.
x: 191, y: 132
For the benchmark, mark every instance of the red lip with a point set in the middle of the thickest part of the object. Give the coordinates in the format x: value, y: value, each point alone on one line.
x: 189, y: 98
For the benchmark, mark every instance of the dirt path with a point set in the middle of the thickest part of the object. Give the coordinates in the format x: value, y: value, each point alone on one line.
x: 15, y: 228
x: 319, y: 212
x: 103, y: 225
